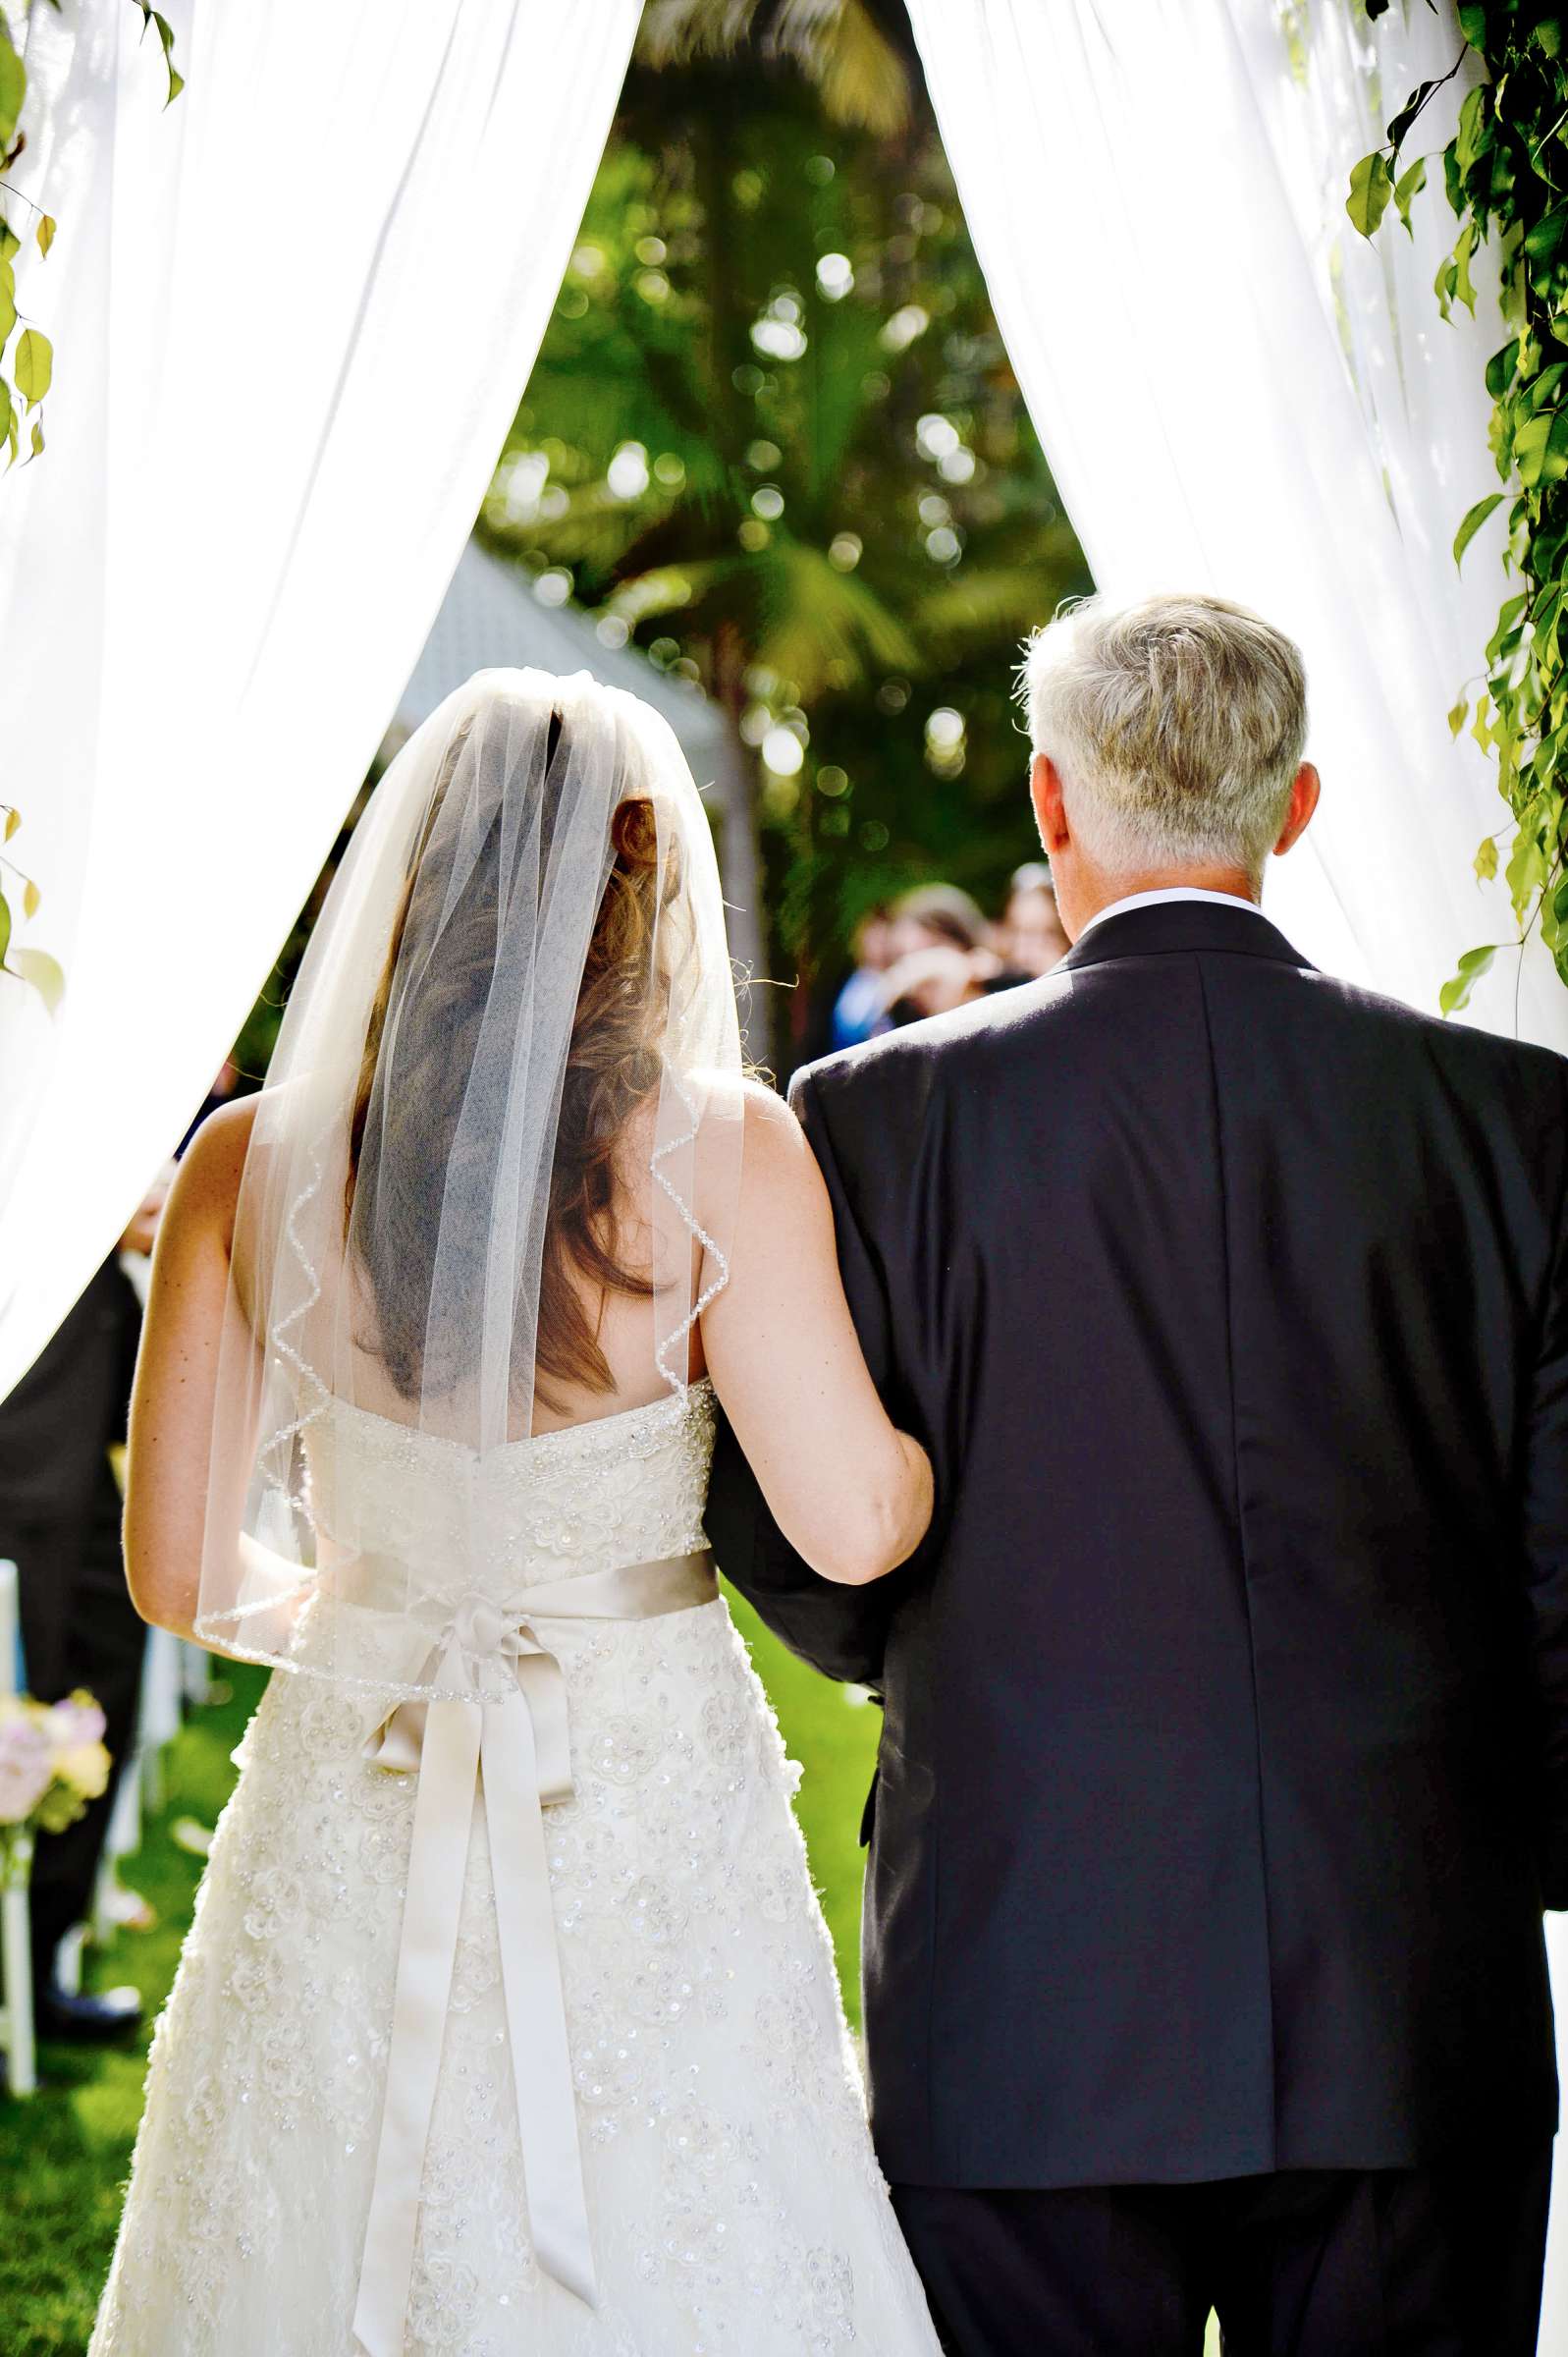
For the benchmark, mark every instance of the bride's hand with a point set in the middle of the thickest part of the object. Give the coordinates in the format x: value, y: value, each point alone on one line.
x: 850, y: 1493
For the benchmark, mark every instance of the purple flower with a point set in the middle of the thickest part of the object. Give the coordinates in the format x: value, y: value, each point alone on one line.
x: 75, y: 1721
x: 26, y: 1766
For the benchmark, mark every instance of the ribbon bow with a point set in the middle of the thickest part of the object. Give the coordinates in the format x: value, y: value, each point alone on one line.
x: 520, y: 1744
x: 478, y: 1634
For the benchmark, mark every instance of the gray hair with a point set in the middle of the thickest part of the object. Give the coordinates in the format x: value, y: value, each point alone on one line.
x: 1178, y: 725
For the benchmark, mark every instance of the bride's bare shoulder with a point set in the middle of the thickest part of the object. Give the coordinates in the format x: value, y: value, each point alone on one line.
x: 777, y: 1159
x: 750, y: 1136
x: 206, y: 1190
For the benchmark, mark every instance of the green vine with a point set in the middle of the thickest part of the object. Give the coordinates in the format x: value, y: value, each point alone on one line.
x: 26, y: 353
x: 26, y: 373
x: 1505, y: 177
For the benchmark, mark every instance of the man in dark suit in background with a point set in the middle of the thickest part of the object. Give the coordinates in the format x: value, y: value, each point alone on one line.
x: 1225, y: 1774
x: 60, y: 1524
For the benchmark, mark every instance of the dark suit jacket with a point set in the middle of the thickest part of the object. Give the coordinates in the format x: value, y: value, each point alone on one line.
x: 69, y: 1409
x: 1225, y: 1763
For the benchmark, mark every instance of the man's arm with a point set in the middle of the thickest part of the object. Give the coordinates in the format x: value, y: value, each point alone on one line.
x: 839, y: 1630
x: 1545, y: 1533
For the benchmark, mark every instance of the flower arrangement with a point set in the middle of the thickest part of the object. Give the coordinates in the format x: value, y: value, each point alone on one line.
x: 52, y: 1763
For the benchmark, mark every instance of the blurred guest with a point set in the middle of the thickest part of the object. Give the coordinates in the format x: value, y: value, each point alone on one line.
x: 935, y: 981
x: 60, y: 1524
x: 1034, y: 937
x: 935, y: 916
x: 859, y: 1008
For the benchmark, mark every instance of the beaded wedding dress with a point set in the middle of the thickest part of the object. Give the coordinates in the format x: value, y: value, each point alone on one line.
x: 733, y: 2198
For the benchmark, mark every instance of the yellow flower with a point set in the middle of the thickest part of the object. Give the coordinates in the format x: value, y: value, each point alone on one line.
x: 85, y: 1768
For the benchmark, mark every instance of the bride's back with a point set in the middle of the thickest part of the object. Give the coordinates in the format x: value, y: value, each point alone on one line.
x: 470, y: 1206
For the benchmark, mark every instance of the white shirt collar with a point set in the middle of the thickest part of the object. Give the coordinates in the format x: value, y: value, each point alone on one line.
x: 1156, y: 900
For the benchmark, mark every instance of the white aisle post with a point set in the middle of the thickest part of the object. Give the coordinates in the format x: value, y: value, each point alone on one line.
x: 15, y: 1945
x: 293, y: 316
x: 1239, y: 394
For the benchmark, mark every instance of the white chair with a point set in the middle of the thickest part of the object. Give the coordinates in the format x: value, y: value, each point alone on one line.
x: 16, y: 1947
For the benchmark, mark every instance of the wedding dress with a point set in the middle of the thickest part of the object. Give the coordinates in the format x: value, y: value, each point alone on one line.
x: 735, y: 2201
x: 508, y: 2025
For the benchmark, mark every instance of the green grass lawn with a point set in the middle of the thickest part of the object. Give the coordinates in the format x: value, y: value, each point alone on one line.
x: 64, y: 2156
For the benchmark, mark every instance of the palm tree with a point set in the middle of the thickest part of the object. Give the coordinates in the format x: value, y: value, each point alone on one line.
x: 853, y: 53
x: 783, y: 442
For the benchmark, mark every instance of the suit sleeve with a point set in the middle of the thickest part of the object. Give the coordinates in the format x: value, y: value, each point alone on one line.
x: 841, y: 1632
x: 1545, y: 1532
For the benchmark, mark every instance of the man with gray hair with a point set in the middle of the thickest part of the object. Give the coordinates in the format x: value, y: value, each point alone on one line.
x: 1224, y: 1773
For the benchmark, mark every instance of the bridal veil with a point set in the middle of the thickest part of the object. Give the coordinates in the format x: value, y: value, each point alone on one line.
x: 499, y: 1149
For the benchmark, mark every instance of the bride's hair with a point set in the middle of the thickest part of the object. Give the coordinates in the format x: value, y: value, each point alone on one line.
x: 613, y: 1071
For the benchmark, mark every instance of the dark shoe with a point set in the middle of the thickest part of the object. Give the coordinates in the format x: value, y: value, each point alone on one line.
x: 88, y: 2020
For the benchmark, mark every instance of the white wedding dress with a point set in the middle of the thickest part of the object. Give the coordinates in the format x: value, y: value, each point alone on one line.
x: 734, y: 2200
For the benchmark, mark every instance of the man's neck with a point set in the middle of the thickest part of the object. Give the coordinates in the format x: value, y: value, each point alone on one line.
x: 1107, y: 892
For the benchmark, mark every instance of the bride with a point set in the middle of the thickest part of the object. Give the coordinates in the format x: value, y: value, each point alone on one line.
x: 508, y: 2021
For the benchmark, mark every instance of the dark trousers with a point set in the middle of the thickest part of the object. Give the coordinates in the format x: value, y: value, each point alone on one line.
x: 60, y: 1523
x: 1444, y: 2263
x: 79, y: 1628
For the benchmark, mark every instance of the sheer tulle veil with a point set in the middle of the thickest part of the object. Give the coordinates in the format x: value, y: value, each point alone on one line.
x: 494, y: 1171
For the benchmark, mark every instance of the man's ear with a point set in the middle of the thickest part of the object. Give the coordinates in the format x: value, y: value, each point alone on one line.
x: 1051, y: 810
x: 1304, y: 788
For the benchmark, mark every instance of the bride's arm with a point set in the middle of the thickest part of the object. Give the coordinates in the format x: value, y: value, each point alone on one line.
x: 168, y: 1464
x: 851, y: 1494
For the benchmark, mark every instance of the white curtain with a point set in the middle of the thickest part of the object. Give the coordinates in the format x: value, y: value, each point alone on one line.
x: 293, y: 315
x: 1239, y: 394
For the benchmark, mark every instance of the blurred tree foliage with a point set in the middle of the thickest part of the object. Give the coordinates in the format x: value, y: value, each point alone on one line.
x: 774, y: 437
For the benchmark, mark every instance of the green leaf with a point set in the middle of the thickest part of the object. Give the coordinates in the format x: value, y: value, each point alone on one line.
x: 31, y: 898
x: 1501, y: 368
x: 1543, y: 388
x: 5, y: 926
x: 8, y: 301
x: 1540, y: 449
x: 1485, y: 860
x: 1457, y: 717
x: 165, y: 32
x: 45, y: 973
x: 1408, y: 113
x: 1408, y: 187
x: 1473, y: 130
x: 45, y: 233
x: 1526, y: 870
x: 1543, y: 239
x: 1472, y: 966
x: 37, y: 438
x: 34, y: 365
x: 1474, y: 518
x: 10, y: 242
x: 12, y: 821
x: 13, y: 89
x: 1464, y: 284
x: 1370, y: 191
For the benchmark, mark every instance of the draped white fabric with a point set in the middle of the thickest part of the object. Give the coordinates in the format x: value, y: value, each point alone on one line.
x: 1239, y: 394
x: 291, y: 317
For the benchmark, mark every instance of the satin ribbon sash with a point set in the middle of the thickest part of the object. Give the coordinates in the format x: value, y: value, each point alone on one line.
x: 525, y: 1757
